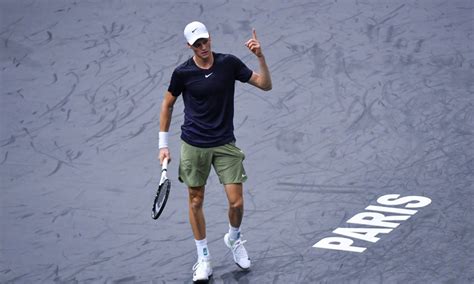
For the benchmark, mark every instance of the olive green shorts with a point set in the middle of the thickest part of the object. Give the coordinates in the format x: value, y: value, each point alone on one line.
x: 195, y: 164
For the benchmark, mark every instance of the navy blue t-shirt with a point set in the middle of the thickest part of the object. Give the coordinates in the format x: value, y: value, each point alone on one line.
x: 208, y: 96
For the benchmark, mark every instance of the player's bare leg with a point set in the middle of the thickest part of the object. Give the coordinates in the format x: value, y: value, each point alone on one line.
x: 236, y: 203
x: 196, y: 214
x: 233, y: 238
x: 202, y: 270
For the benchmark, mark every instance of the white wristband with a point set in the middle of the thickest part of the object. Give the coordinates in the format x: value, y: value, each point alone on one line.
x: 163, y: 139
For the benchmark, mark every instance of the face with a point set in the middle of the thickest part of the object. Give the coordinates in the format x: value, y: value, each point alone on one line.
x: 202, y: 47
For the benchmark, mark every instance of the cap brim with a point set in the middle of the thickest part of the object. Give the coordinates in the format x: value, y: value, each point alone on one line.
x: 198, y: 36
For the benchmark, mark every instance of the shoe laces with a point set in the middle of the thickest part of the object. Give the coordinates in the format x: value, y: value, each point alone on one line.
x: 197, y: 264
x: 239, y: 249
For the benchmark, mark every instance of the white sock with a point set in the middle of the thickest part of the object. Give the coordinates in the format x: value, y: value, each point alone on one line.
x: 202, y: 249
x: 234, y: 233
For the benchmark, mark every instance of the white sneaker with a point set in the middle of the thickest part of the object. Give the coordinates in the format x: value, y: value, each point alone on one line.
x: 241, y: 257
x: 202, y: 270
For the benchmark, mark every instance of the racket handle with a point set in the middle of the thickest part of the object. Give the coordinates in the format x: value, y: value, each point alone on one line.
x: 164, y: 170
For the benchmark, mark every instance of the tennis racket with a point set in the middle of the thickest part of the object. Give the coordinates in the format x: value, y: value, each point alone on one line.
x: 162, y: 192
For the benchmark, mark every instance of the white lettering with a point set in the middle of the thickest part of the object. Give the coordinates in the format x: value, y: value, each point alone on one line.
x: 337, y: 243
x: 377, y: 219
x: 392, y: 199
x: 380, y: 223
x: 365, y: 234
x: 390, y: 210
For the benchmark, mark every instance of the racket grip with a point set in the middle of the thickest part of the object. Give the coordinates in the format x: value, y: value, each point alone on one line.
x: 165, y: 164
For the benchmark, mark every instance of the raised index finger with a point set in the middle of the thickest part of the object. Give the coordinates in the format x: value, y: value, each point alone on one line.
x: 254, y: 34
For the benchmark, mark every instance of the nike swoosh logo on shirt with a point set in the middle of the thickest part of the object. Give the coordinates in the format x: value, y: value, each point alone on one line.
x: 207, y: 76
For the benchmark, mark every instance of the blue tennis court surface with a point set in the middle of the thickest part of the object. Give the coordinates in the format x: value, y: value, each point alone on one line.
x: 360, y: 160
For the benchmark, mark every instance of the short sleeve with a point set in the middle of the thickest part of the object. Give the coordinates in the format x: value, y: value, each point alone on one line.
x: 242, y: 72
x: 176, y: 86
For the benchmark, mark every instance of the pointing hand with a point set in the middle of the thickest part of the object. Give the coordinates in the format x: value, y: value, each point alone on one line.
x: 254, y: 45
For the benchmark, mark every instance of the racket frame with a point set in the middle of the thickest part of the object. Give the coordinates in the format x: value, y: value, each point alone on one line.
x: 161, y: 190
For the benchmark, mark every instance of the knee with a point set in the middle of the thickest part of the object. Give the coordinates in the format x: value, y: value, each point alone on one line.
x: 196, y: 199
x: 236, y: 204
x: 195, y: 203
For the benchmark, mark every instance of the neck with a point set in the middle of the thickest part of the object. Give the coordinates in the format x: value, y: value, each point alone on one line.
x: 204, y: 63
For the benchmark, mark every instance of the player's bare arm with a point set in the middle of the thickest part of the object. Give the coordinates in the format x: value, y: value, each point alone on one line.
x: 165, y: 121
x: 262, y: 79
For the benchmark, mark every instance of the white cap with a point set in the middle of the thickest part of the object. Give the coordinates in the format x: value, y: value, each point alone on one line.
x: 194, y: 31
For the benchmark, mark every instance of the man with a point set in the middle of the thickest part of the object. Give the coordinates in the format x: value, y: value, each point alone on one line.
x: 207, y: 83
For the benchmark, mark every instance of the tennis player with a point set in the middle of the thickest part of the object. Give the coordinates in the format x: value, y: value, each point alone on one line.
x: 207, y: 83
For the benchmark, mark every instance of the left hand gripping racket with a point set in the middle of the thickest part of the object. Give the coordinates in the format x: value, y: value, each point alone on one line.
x: 162, y: 192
